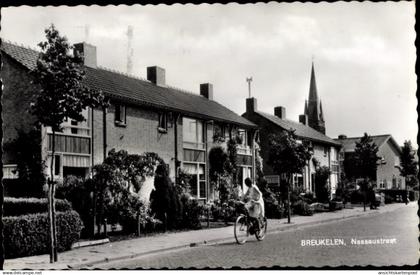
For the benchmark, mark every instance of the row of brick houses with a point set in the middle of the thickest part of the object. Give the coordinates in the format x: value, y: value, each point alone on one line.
x: 144, y: 116
x: 309, y: 129
x: 147, y: 115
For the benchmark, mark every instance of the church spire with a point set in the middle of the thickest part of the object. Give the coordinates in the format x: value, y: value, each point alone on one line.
x: 313, y: 92
x: 321, y: 113
x: 313, y: 106
x: 305, y: 112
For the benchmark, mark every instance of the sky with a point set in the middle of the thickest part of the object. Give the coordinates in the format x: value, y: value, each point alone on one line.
x: 363, y: 53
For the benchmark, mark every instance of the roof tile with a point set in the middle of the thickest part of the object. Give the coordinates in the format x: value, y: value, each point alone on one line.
x: 300, y: 129
x: 349, y: 143
x: 139, y: 91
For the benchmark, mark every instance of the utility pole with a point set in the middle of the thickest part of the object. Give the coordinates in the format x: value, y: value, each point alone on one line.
x: 249, y: 80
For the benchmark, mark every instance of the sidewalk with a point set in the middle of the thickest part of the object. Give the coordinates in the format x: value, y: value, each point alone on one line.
x: 85, y: 257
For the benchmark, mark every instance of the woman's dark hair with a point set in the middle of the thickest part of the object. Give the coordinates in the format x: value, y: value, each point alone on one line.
x: 248, y: 182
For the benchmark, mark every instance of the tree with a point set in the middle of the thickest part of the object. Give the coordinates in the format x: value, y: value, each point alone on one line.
x: 231, y: 166
x: 409, y: 167
x: 287, y: 157
x: 117, y: 182
x: 366, y: 157
x: 366, y: 162
x: 61, y: 95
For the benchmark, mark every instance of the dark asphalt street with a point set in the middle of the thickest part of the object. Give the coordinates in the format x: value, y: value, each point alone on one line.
x: 399, y: 227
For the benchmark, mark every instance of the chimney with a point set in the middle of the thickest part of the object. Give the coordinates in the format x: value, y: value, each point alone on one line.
x: 303, y: 119
x: 206, y: 90
x: 342, y: 137
x: 251, y: 105
x: 280, y: 112
x: 156, y: 75
x: 88, y: 53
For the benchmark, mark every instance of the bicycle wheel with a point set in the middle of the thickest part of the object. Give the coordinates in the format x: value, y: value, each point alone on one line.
x: 241, y: 229
x: 260, y: 235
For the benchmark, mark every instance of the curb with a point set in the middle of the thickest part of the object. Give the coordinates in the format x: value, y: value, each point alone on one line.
x: 89, y: 243
x: 88, y: 265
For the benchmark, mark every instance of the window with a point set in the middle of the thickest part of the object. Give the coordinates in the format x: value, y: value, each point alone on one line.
x: 57, y: 165
x: 163, y: 122
x: 382, y: 184
x: 73, y: 129
x: 333, y: 153
x: 218, y: 133
x: 243, y: 137
x: 298, y: 180
x: 226, y: 131
x: 325, y: 151
x: 396, y: 161
x: 120, y: 114
x: 192, y: 131
x: 198, y: 179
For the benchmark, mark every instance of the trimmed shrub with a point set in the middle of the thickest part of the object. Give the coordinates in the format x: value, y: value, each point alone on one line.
x: 302, y: 208
x: 165, y: 202
x: 335, y: 205
x: 80, y: 194
x: 273, y: 210
x: 388, y: 199
x: 24, y: 206
x: 28, y: 235
x: 357, y: 197
x: 308, y: 197
x: 26, y: 148
x: 191, y: 213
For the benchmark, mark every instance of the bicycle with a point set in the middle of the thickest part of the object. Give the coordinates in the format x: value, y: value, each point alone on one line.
x: 246, y: 225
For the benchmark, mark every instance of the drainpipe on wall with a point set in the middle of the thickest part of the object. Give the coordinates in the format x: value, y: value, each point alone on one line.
x: 91, y: 143
x: 329, y: 165
x: 176, y: 146
x: 91, y: 173
x: 104, y: 131
x: 206, y: 166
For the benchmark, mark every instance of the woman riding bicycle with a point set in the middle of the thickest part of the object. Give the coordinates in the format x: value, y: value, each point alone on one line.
x: 254, y: 202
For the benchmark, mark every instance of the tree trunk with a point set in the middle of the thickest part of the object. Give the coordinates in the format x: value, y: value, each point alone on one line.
x: 364, y: 194
x: 94, y: 209
x: 1, y: 202
x: 288, y: 199
x: 51, y: 206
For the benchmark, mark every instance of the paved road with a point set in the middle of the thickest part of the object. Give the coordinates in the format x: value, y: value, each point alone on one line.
x: 285, y: 248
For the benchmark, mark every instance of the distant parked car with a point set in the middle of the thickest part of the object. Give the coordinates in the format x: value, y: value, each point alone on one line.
x: 377, y: 201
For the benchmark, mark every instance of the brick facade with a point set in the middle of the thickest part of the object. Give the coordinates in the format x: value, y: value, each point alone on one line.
x: 388, y: 172
x: 139, y: 135
x: 324, y: 153
x: 17, y: 93
x: 81, y: 145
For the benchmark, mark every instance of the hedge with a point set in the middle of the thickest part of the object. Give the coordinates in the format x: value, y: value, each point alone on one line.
x: 25, y: 206
x: 301, y: 208
x: 28, y: 235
